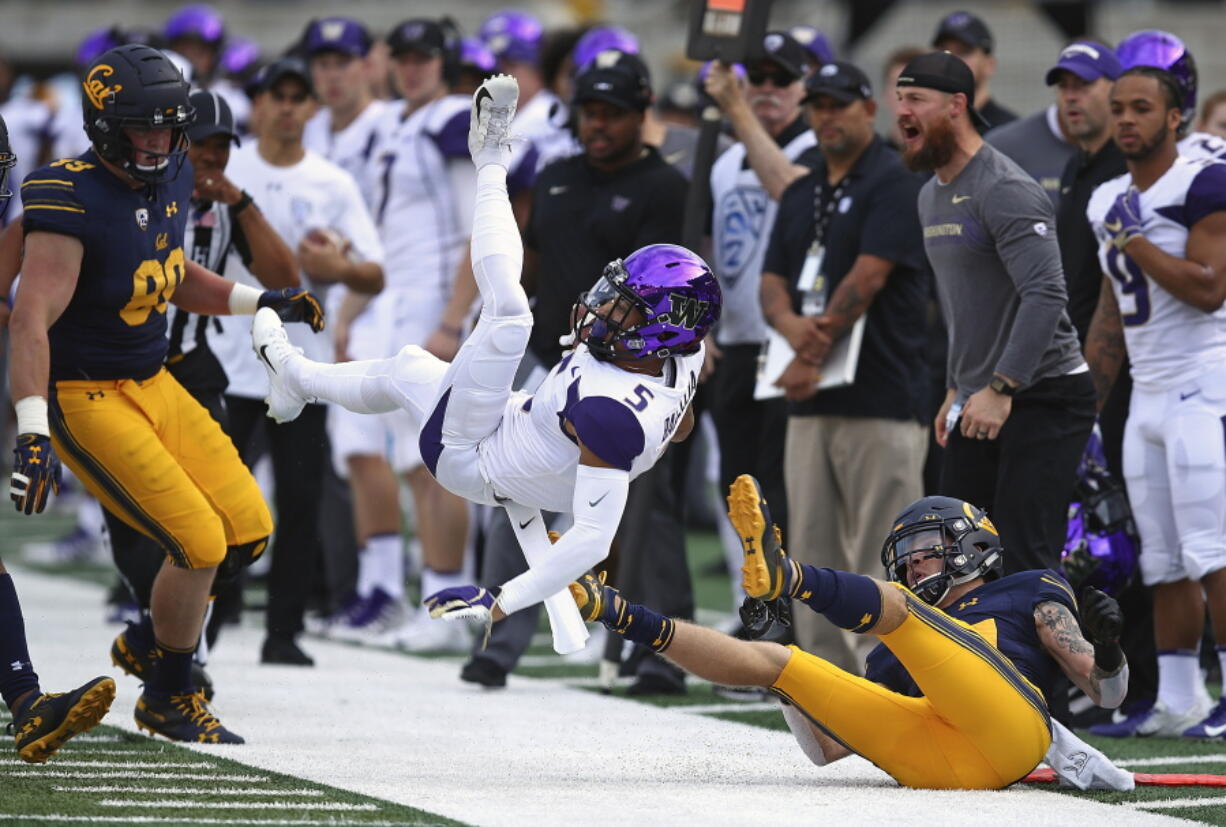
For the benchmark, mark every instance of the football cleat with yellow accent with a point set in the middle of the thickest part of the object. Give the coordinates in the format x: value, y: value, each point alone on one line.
x: 52, y: 718
x: 766, y: 572
x: 140, y: 661
x: 183, y: 717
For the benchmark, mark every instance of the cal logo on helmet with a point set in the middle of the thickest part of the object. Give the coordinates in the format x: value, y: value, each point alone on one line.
x: 95, y: 87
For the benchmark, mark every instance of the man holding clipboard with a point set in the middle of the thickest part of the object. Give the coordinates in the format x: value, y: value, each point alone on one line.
x: 844, y: 285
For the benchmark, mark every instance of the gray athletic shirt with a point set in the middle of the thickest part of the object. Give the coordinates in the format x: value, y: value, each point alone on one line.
x: 990, y: 236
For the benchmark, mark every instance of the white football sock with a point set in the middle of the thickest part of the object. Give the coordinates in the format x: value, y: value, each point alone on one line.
x: 1180, y: 684
x: 382, y: 565
x: 497, y: 251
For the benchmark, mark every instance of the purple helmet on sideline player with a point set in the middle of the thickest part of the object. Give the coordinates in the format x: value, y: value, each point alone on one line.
x: 673, y: 289
x: 600, y: 39
x: 475, y: 55
x: 1101, y: 548
x: 1162, y: 50
x: 815, y: 41
x: 95, y: 43
x: 512, y: 35
x: 198, y: 20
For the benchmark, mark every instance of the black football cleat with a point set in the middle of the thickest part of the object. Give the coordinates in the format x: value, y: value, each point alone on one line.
x: 183, y: 717
x: 54, y: 717
x: 485, y: 672
x: 139, y: 662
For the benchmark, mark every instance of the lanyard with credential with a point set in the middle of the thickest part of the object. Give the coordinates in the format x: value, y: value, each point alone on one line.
x: 812, y: 282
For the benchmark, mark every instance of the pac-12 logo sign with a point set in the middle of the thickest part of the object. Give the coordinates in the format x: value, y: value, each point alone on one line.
x: 684, y: 311
x: 741, y: 215
x: 95, y: 87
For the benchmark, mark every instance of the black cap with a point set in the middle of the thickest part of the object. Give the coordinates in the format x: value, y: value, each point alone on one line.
x: 787, y: 51
x: 213, y: 117
x: 281, y: 68
x: 965, y: 27
x: 839, y: 80
x: 419, y: 35
x: 944, y: 72
x: 621, y: 81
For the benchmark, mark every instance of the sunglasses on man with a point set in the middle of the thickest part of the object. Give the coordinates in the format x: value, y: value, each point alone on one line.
x: 779, y: 77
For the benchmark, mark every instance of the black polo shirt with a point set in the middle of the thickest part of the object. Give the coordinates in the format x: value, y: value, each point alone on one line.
x: 1078, y: 246
x: 583, y: 218
x: 876, y: 215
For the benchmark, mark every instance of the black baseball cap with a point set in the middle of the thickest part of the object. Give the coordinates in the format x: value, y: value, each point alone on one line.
x: 213, y: 117
x: 281, y: 68
x: 840, y: 80
x: 621, y: 85
x: 418, y: 35
x: 781, y: 48
x: 965, y: 27
x: 944, y: 72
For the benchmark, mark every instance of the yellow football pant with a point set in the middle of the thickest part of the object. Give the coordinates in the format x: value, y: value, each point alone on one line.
x: 156, y: 459
x: 980, y: 724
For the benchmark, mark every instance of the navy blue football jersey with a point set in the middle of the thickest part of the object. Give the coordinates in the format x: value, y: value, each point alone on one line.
x: 1002, y: 611
x: 114, y: 327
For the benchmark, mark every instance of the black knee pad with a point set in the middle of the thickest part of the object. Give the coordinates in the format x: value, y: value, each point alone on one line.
x: 239, y: 557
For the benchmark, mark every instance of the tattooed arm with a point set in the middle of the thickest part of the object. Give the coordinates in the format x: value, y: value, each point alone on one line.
x: 851, y: 299
x: 1061, y: 636
x: 1105, y: 348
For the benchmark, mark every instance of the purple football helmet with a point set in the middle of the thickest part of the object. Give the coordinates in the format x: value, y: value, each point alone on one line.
x: 95, y: 43
x: 198, y: 20
x: 600, y: 39
x: 1101, y: 547
x: 475, y: 55
x: 240, y: 56
x: 1163, y: 50
x: 512, y: 35
x: 673, y: 289
x: 812, y: 39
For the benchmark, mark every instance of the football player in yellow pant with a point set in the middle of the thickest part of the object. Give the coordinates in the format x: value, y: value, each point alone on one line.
x: 952, y: 697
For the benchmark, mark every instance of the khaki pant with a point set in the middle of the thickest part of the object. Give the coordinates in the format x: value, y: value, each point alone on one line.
x: 847, y: 478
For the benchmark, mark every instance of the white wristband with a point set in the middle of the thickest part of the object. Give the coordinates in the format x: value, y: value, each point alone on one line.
x: 244, y: 300
x: 32, y: 416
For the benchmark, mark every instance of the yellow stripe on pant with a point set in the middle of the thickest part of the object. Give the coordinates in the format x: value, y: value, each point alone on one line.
x: 980, y: 724
x: 156, y: 459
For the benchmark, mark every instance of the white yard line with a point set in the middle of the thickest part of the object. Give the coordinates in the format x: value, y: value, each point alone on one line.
x: 1177, y: 803
x: 144, y: 765
x: 128, y: 790
x: 8, y: 818
x: 731, y: 706
x: 407, y: 730
x: 48, y: 772
x: 1170, y: 760
x: 175, y: 804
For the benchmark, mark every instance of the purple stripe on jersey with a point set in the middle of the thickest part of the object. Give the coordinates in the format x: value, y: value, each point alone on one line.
x: 524, y: 174
x: 1206, y: 194
x: 608, y: 429
x: 430, y: 443
x: 452, y: 139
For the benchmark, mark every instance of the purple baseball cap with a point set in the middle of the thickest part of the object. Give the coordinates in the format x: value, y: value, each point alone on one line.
x: 512, y: 35
x: 1087, y: 60
x: 812, y: 39
x: 240, y: 56
x: 198, y: 20
x: 336, y: 34
x: 95, y: 43
x: 601, y: 39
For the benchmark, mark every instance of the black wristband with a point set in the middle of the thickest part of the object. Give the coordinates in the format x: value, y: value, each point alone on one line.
x: 1108, y: 656
x: 241, y: 204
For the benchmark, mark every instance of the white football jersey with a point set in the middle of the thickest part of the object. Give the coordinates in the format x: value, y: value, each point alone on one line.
x: 350, y: 148
x: 741, y: 231
x: 1202, y: 145
x: 537, y: 122
x: 31, y: 128
x: 422, y: 222
x: 311, y: 194
x: 1169, y: 341
x: 626, y: 418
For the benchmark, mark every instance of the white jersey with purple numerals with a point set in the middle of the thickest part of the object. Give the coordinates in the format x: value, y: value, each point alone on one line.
x: 1169, y: 341
x: 625, y: 418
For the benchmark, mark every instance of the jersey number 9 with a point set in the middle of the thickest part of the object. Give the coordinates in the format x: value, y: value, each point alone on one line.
x: 1134, y: 290
x: 153, y: 284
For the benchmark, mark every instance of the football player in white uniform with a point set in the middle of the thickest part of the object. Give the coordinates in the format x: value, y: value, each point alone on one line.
x: 602, y: 416
x: 1162, y: 228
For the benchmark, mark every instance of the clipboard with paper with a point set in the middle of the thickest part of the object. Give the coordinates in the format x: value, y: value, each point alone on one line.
x: 838, y: 371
